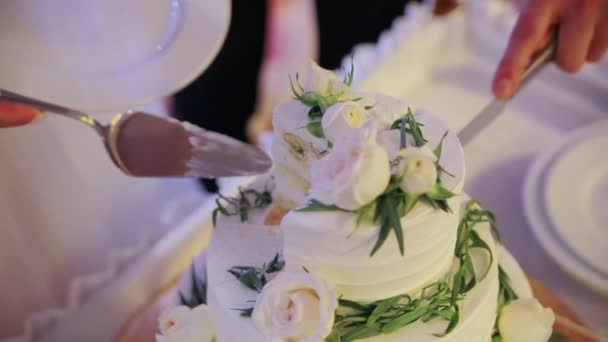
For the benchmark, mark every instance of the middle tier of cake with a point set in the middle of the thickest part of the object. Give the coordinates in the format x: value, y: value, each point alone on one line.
x: 237, y: 244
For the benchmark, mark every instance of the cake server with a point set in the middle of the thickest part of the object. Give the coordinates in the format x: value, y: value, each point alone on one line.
x: 492, y: 110
x: 145, y: 145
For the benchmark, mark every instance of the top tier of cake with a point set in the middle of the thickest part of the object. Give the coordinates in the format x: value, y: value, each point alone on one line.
x: 342, y: 161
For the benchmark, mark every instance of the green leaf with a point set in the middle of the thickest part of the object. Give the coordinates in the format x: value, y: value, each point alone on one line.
x: 275, y: 265
x: 314, y: 206
x: 415, y: 129
x: 457, y: 285
x: 245, y: 312
x: 403, y: 134
x: 385, y: 228
x: 352, y: 305
x: 395, y: 222
x: 198, y: 292
x: 315, y: 113
x: 381, y: 308
x: 315, y: 129
x: 251, y: 278
x: 351, y: 74
x: 254, y: 278
x: 393, y: 185
x: 403, y: 320
x: 506, y: 293
x: 334, y: 336
x: 325, y: 102
x: 214, y: 214
x: 396, y: 124
x: 438, y: 192
x: 478, y: 242
x: 498, y: 338
x: 455, y: 317
x: 247, y: 200
x: 365, y: 213
x: 439, y: 148
x: 410, y: 202
x: 361, y: 332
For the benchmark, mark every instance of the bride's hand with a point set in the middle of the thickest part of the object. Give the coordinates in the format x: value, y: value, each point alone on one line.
x: 17, y: 115
x: 583, y: 36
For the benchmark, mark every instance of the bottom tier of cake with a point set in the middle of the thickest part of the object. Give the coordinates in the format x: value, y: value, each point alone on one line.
x: 254, y: 245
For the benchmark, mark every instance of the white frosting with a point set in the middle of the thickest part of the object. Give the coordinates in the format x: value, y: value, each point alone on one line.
x: 232, y: 245
x: 253, y: 245
x: 331, y: 244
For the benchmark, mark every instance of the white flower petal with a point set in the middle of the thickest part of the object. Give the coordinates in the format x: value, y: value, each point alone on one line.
x: 342, y: 117
x: 295, y: 306
x: 525, y: 320
x: 417, y: 166
x: 354, y: 173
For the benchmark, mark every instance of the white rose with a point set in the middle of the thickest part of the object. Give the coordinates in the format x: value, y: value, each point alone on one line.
x: 385, y: 109
x: 525, y: 320
x: 342, y: 117
x: 296, y: 307
x: 417, y: 166
x: 354, y: 173
x: 323, y: 81
x: 182, y: 324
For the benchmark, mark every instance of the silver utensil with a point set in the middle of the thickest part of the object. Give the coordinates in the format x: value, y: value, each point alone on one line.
x: 145, y: 145
x: 492, y: 110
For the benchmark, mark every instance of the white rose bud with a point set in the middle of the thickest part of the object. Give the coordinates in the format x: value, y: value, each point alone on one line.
x: 525, y: 320
x: 417, y: 166
x: 182, y: 324
x: 342, y: 117
x: 353, y: 174
x: 295, y: 307
x: 323, y: 81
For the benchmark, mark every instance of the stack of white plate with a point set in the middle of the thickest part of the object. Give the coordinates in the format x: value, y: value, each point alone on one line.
x: 566, y: 203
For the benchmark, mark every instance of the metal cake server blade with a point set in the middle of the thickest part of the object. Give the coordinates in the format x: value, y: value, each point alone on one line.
x: 146, y: 145
x: 492, y: 110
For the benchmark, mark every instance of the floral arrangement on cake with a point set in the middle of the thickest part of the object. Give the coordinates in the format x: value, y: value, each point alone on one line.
x: 373, y: 161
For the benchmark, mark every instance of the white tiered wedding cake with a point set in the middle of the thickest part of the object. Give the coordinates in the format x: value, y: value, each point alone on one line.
x: 361, y: 232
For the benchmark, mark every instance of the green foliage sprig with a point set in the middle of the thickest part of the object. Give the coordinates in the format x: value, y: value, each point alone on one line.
x: 319, y: 103
x: 386, y: 316
x: 255, y: 278
x: 439, y: 300
x: 198, y: 291
x: 245, y: 202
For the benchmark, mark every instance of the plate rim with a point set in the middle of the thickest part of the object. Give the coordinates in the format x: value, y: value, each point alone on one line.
x: 542, y: 230
x: 570, y: 146
x: 157, y: 82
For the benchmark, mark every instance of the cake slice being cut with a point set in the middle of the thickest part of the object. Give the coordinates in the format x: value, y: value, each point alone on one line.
x: 362, y: 232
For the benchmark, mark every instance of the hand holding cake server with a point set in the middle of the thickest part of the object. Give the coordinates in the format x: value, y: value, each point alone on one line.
x: 146, y: 145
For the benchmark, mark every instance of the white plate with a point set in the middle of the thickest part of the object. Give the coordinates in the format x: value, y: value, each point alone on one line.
x: 576, y: 197
x: 540, y: 223
x: 102, y: 55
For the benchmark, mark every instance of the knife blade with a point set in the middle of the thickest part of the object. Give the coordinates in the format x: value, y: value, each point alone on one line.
x: 496, y: 107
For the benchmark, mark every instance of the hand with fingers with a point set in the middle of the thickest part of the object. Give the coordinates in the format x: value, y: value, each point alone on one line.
x: 582, y: 37
x: 12, y: 115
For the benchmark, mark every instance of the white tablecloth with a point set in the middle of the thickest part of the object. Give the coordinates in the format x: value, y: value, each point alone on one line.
x: 69, y: 219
